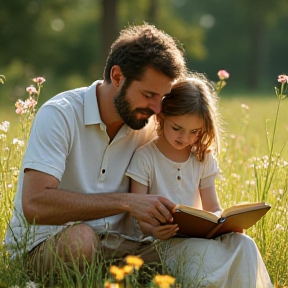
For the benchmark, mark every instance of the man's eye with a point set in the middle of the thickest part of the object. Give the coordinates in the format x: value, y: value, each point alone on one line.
x: 146, y: 96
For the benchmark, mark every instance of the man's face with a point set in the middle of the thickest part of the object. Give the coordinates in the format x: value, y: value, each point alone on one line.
x: 141, y: 99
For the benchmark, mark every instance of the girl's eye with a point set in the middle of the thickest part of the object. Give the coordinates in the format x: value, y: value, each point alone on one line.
x: 175, y: 129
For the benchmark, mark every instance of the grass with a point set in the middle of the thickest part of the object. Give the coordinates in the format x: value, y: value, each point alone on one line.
x: 253, y: 161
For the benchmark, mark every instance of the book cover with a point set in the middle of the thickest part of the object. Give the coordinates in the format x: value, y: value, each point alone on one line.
x: 198, y: 223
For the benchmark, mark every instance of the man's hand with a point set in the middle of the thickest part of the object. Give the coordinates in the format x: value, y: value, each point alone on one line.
x: 154, y: 210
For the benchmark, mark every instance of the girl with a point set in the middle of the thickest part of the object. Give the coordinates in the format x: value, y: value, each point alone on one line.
x: 181, y: 165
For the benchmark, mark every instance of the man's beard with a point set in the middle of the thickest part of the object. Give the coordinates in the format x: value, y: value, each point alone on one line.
x: 129, y: 117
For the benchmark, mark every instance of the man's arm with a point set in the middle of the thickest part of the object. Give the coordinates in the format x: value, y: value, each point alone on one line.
x: 45, y: 204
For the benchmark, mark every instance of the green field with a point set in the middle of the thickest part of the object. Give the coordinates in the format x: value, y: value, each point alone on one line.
x: 253, y: 164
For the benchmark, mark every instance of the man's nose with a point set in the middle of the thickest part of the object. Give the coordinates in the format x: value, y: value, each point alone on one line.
x: 156, y: 106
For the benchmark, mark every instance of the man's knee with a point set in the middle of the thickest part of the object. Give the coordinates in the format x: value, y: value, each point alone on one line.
x: 78, y: 241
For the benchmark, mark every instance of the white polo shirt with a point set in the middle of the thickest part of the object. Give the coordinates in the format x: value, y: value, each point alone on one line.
x: 69, y: 141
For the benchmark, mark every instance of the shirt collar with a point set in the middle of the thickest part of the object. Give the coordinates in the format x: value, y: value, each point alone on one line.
x: 91, y: 109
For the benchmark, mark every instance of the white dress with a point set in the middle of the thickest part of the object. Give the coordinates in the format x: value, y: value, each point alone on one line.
x: 229, y: 261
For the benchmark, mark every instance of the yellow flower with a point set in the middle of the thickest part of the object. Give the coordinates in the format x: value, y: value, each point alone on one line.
x: 135, y: 261
x: 164, y: 281
x: 128, y: 269
x: 107, y: 284
x: 117, y: 272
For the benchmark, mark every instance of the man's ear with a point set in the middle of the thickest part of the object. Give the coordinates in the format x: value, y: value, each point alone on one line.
x: 116, y: 76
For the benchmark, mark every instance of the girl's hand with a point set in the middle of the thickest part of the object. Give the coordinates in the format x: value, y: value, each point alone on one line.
x: 165, y: 231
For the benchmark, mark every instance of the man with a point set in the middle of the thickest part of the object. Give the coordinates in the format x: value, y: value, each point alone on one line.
x: 72, y: 186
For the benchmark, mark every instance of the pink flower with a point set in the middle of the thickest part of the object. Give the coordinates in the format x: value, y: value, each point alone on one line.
x: 39, y: 80
x: 30, y: 102
x: 223, y: 74
x: 283, y: 78
x: 31, y: 90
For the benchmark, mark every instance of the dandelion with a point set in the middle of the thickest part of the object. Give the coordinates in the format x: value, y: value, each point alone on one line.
x: 4, y: 126
x: 164, y: 281
x: 134, y: 261
x: 223, y: 74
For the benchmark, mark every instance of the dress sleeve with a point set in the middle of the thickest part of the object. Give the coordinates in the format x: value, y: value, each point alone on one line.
x: 49, y: 142
x: 210, y: 171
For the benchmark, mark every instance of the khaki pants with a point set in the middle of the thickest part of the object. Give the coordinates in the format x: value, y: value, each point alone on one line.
x: 42, y: 260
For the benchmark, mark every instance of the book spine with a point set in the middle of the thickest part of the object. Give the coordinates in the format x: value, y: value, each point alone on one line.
x: 221, y: 221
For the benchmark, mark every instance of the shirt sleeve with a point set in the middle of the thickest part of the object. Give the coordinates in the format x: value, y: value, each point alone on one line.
x: 49, y: 142
x: 138, y: 168
x: 210, y: 171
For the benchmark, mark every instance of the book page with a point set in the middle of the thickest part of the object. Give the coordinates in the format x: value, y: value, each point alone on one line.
x: 244, y: 207
x: 198, y: 212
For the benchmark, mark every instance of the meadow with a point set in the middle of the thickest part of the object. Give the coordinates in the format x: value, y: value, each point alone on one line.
x: 253, y: 162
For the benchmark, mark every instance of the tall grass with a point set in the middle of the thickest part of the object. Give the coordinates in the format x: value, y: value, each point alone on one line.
x: 254, y: 166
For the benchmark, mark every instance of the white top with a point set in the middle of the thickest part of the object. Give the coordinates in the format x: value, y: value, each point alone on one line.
x: 69, y: 141
x: 179, y: 182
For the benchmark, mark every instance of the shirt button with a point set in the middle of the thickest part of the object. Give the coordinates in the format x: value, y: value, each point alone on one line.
x: 179, y: 177
x: 103, y: 171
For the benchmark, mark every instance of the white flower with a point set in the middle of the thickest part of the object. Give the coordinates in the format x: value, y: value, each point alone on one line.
x: 18, y: 142
x: 31, y: 284
x: 4, y: 126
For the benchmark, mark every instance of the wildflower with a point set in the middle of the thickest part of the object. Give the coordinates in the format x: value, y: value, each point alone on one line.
x: 244, y: 106
x: 20, y: 107
x: 117, y: 272
x: 18, y: 142
x: 31, y: 284
x: 4, y: 126
x: 128, y: 269
x: 223, y: 74
x: 135, y: 261
x: 283, y: 78
x: 39, y: 80
x: 30, y: 102
x: 164, y: 281
x: 31, y: 90
x: 107, y: 284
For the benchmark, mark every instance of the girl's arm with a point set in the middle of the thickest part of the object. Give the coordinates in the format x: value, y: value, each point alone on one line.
x: 159, y: 232
x: 210, y: 201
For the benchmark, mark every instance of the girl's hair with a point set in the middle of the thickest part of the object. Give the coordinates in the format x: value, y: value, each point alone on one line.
x: 195, y: 95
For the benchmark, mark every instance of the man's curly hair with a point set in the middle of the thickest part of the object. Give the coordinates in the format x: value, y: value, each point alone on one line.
x: 139, y: 47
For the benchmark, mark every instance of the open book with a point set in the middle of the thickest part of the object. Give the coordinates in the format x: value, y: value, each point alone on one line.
x: 198, y: 223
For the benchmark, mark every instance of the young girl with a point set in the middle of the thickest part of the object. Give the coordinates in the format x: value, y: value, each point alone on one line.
x: 181, y: 165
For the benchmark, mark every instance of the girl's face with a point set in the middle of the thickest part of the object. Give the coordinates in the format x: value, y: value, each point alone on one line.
x: 182, y: 131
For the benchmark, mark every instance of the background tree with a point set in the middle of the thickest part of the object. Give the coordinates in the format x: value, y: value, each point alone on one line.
x: 68, y: 41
